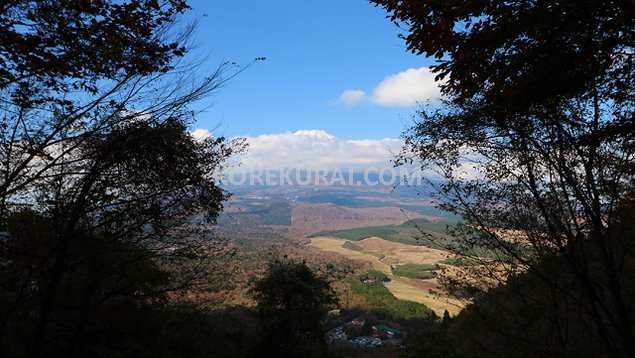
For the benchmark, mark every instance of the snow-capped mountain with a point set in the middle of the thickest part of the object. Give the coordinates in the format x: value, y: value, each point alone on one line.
x: 315, y: 134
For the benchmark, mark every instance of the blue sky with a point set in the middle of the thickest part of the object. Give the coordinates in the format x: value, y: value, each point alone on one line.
x: 315, y: 50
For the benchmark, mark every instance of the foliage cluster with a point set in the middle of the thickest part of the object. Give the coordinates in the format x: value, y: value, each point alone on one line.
x: 100, y: 180
x: 384, y: 303
x: 291, y: 301
x: 351, y: 246
x: 539, y: 113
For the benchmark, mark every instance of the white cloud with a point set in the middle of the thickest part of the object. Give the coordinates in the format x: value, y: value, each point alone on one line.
x: 407, y: 88
x: 317, y: 149
x: 352, y: 97
x: 404, y: 89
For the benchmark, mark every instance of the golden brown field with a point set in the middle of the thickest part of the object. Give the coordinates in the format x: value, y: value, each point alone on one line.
x: 335, y: 245
x: 317, y: 217
x: 407, y: 290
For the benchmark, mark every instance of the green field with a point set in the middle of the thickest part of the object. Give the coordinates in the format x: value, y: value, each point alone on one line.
x: 416, y: 271
x: 418, y: 232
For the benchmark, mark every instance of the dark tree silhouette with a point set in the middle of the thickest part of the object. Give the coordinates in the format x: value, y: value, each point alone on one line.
x: 104, y: 195
x: 518, y: 52
x: 76, y: 69
x: 540, y: 114
x: 291, y: 300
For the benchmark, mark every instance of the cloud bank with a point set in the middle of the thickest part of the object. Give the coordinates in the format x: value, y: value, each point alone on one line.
x: 404, y: 89
x: 317, y: 149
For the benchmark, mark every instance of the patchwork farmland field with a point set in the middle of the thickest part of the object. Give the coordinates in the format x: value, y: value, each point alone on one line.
x: 382, y: 254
